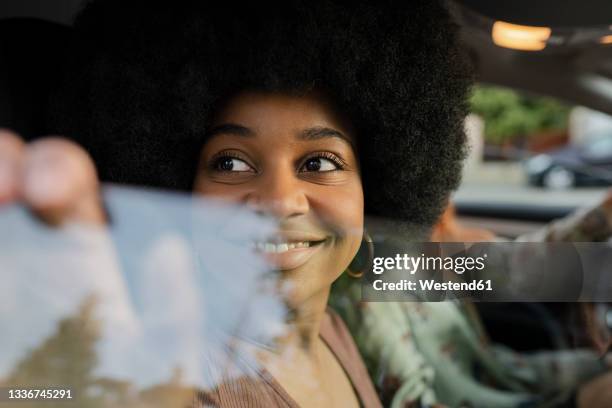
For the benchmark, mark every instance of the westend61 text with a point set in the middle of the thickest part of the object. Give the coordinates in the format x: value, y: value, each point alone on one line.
x: 430, y: 284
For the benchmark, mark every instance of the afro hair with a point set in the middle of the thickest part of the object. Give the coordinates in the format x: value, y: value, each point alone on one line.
x: 144, y: 77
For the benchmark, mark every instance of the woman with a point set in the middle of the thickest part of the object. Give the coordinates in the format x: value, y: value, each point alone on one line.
x: 315, y: 114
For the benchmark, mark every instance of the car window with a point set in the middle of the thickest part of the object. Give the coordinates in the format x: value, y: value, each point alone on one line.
x: 600, y: 148
x: 531, y: 150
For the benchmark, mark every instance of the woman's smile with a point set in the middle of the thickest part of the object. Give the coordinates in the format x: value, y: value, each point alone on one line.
x: 286, y: 256
x: 290, y: 249
x: 287, y: 240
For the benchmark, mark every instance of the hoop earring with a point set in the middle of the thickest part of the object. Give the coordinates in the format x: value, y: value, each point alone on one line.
x: 368, y: 243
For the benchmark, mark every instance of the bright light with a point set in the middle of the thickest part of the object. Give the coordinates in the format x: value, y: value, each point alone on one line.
x: 520, y: 37
x: 606, y: 39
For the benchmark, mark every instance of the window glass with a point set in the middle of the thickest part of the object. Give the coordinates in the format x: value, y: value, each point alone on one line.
x: 531, y: 149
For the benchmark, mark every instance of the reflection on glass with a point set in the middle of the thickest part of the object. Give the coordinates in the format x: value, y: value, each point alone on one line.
x: 163, y: 302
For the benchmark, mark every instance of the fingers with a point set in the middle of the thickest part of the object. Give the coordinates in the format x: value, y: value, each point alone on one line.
x: 54, y: 177
x: 606, y: 206
x: 607, y: 200
x: 11, y: 154
x: 60, y: 182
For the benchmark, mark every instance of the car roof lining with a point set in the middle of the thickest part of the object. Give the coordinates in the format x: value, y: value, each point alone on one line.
x: 568, y: 76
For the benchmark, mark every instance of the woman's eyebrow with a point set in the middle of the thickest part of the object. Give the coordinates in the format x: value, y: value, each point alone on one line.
x: 321, y: 132
x: 313, y: 133
x: 230, y: 128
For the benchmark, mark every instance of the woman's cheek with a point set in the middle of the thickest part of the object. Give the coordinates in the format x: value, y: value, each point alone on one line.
x: 231, y: 193
x: 342, y: 208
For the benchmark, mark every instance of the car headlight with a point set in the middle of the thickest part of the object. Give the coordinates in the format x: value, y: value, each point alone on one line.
x: 539, y: 163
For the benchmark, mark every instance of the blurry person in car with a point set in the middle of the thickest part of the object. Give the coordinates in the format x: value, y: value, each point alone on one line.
x: 439, y: 352
x: 449, y: 229
x: 315, y: 114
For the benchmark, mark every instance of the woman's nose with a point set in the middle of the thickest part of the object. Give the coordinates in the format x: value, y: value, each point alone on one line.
x: 280, y: 195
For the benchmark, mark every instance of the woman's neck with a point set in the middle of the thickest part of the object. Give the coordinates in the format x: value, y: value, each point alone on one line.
x: 301, y: 350
x: 306, y: 325
x: 301, y: 353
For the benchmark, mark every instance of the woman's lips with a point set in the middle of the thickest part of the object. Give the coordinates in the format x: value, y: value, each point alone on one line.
x: 287, y: 254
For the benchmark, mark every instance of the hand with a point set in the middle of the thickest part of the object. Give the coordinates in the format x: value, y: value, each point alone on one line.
x: 597, y: 393
x: 606, y: 205
x: 54, y: 177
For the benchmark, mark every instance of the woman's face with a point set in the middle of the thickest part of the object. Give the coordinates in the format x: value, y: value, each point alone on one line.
x: 292, y: 158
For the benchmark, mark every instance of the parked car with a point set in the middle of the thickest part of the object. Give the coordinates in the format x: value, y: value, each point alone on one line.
x: 573, y: 166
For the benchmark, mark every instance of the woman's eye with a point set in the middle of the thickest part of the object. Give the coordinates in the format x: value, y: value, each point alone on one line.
x: 231, y: 164
x: 320, y: 164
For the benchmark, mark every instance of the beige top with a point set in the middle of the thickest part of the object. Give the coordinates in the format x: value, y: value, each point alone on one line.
x: 265, y: 392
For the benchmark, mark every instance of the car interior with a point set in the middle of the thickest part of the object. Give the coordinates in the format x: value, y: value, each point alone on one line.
x: 574, y: 67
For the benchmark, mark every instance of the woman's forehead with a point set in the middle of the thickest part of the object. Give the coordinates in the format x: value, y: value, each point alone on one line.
x: 308, y: 116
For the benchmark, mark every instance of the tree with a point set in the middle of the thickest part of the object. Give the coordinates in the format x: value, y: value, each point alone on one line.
x: 508, y: 114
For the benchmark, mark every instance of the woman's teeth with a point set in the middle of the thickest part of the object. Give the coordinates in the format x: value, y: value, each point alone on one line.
x: 272, y: 248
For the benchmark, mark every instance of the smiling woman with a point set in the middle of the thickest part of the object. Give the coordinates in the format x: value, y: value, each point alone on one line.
x: 293, y: 158
x: 311, y: 114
